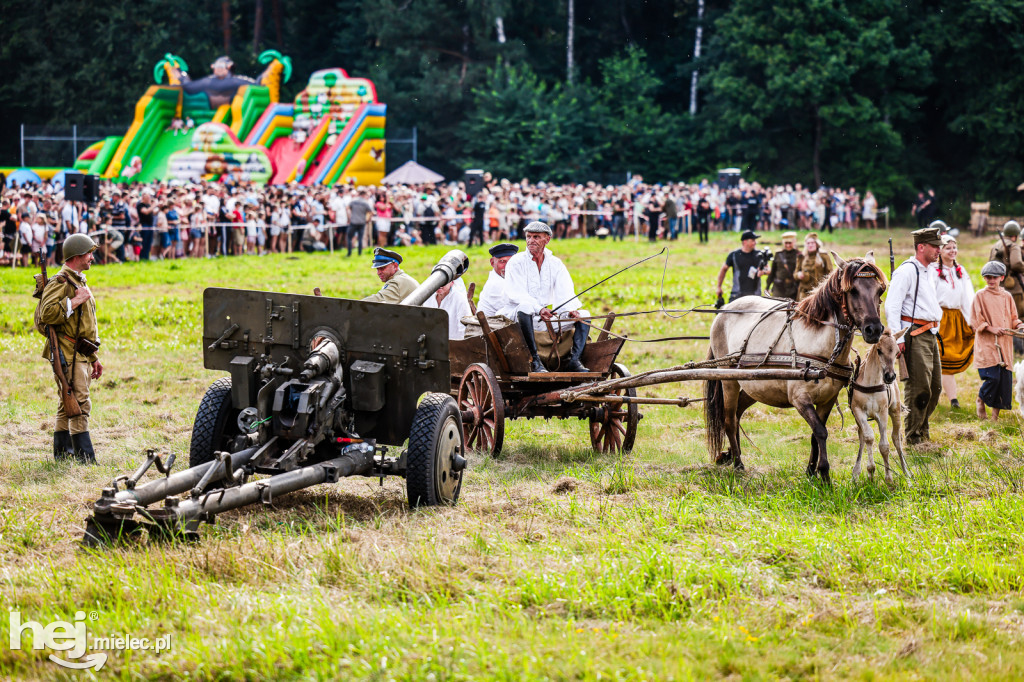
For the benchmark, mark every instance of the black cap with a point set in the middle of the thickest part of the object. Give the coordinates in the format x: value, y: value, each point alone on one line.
x: 749, y: 234
x: 502, y: 250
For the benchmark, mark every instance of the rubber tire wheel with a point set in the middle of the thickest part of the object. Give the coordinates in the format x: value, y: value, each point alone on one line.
x: 434, y: 440
x: 616, y: 432
x: 215, y: 424
x: 478, y: 390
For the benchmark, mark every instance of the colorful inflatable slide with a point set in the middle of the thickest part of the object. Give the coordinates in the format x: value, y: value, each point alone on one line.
x: 232, y: 127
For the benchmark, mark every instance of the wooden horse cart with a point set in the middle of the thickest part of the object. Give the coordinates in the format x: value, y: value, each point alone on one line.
x: 492, y: 382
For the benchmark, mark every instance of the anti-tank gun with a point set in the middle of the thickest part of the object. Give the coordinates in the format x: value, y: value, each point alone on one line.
x: 317, y: 389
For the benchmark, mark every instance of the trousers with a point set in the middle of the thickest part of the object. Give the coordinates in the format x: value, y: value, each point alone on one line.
x: 924, y: 382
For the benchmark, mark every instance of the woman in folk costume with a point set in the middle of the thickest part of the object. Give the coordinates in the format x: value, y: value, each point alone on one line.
x: 956, y: 338
x: 812, y: 266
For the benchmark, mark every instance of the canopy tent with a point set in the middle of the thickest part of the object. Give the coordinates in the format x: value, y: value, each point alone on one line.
x: 411, y: 173
x: 22, y: 176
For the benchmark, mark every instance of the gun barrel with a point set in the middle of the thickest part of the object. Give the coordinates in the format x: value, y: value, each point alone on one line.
x: 357, y: 459
x: 452, y: 265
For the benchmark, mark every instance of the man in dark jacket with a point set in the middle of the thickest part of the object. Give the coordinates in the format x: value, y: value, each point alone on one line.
x: 781, y: 281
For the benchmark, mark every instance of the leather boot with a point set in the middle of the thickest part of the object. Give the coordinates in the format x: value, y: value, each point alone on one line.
x: 579, y: 340
x: 62, y: 445
x: 84, y: 453
x: 526, y: 326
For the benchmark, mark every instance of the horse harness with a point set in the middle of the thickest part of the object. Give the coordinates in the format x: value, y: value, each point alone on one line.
x: 795, y: 360
x: 844, y: 330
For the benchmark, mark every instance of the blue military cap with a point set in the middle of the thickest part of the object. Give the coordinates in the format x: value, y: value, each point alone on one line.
x: 502, y: 250
x: 382, y: 257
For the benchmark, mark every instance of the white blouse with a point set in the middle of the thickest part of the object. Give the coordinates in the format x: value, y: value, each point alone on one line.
x: 955, y: 293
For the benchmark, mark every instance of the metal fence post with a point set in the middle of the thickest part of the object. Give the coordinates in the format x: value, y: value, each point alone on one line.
x: 415, y: 143
x: 22, y: 145
x: 74, y: 141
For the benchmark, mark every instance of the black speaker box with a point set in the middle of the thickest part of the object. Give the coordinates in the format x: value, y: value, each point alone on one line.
x: 474, y: 182
x: 81, y: 187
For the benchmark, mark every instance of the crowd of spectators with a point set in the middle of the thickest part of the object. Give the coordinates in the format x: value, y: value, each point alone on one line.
x: 168, y: 220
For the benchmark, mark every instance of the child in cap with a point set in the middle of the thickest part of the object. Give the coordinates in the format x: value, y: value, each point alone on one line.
x: 994, y: 317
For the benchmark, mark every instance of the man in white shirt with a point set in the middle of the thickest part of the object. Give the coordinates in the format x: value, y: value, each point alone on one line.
x: 452, y: 299
x: 494, y: 301
x: 913, y: 302
x: 535, y: 279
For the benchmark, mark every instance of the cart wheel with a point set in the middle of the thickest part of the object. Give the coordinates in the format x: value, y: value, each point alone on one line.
x: 613, y: 425
x: 435, y: 457
x: 483, y: 410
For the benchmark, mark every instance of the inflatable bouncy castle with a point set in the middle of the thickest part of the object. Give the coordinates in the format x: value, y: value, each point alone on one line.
x: 230, y: 127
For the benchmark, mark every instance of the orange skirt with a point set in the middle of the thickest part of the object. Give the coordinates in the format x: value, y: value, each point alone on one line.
x: 957, y: 339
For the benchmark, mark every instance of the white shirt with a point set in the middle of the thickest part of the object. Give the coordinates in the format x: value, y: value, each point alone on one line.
x: 456, y: 304
x: 899, y: 300
x: 211, y: 203
x: 953, y: 293
x: 530, y: 289
x: 494, y: 301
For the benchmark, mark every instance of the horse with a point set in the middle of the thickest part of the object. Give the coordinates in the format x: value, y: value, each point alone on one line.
x: 874, y: 395
x: 754, y: 331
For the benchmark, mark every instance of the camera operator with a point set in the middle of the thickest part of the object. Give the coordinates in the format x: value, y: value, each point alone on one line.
x: 748, y: 267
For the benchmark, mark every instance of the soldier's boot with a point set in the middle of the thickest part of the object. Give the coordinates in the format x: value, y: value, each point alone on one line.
x: 63, y: 448
x: 579, y: 340
x: 526, y: 326
x: 83, y: 448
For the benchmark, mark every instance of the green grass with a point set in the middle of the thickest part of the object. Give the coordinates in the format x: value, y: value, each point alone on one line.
x: 557, y: 563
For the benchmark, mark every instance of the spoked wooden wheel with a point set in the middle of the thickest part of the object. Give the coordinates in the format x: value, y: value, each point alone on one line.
x: 483, y: 410
x: 613, y: 424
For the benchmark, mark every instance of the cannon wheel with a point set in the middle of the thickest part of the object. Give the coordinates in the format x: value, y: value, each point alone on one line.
x: 483, y: 410
x: 613, y: 425
x: 216, y: 423
x: 435, y: 463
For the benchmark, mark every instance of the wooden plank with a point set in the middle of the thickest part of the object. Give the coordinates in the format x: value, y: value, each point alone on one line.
x: 606, y: 328
x: 469, y: 295
x: 493, y: 341
x: 598, y: 356
x: 462, y: 354
x: 513, y: 344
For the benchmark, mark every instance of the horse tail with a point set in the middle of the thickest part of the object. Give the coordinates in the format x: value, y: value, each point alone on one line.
x: 714, y: 414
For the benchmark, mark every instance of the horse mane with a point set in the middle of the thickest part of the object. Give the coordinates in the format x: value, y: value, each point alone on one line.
x: 826, y: 300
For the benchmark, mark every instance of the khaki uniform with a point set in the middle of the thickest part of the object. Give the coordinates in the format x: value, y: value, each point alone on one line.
x: 395, y: 289
x: 814, y: 272
x: 1014, y: 267
x: 781, y: 282
x: 55, y: 310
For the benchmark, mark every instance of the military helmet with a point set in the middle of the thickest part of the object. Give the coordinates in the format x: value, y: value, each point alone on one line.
x: 78, y: 244
x: 1011, y: 228
x: 940, y: 224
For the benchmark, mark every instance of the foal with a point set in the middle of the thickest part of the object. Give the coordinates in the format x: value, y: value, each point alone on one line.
x: 875, y: 396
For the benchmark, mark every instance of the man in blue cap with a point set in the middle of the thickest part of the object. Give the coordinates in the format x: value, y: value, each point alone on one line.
x: 397, y: 284
x: 494, y: 302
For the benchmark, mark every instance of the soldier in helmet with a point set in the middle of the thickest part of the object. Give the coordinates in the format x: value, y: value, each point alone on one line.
x: 397, y: 284
x: 68, y: 306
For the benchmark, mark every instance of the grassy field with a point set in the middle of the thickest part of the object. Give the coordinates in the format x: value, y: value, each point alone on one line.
x: 557, y: 563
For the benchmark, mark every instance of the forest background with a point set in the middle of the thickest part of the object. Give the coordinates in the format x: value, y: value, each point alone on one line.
x: 878, y: 94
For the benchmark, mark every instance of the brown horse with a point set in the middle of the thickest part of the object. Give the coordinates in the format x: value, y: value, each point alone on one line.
x: 817, y: 331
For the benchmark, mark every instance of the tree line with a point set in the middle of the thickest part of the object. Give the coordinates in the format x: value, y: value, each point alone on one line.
x: 889, y: 95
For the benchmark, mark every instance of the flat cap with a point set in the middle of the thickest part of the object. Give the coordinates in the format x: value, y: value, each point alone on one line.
x: 993, y: 268
x: 928, y: 235
x: 382, y: 257
x: 538, y: 226
x: 789, y: 235
x: 502, y: 250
